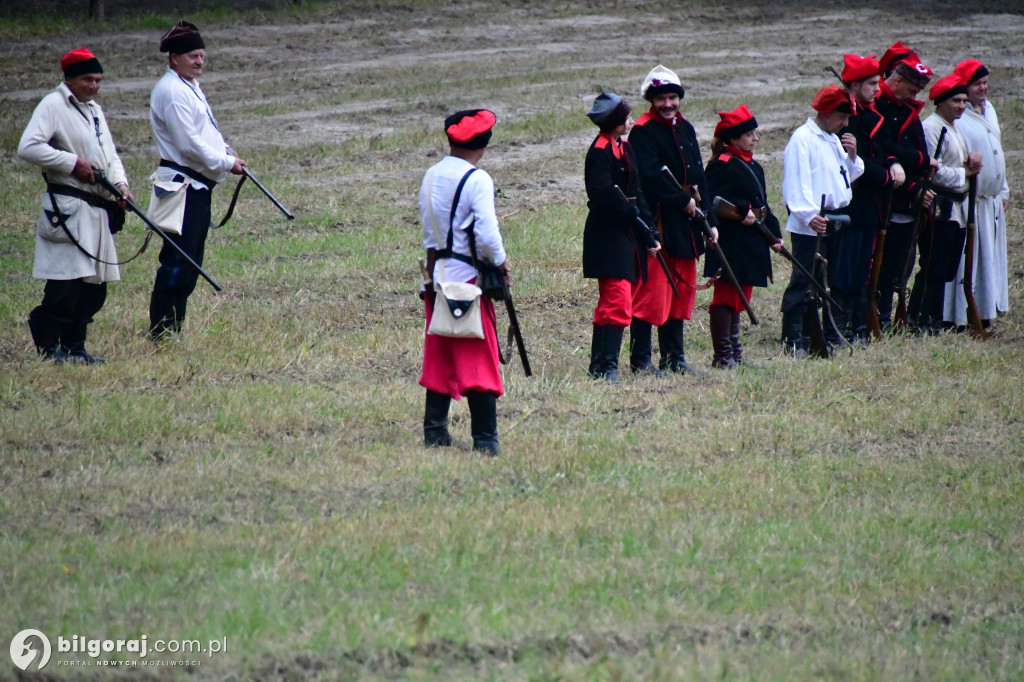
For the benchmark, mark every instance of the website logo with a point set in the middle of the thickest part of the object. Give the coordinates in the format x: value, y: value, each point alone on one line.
x: 25, y: 649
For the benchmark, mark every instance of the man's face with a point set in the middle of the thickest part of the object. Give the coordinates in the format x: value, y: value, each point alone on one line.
x: 953, y: 108
x: 189, y: 65
x: 84, y: 87
x: 865, y: 90
x: 666, y: 105
x: 902, y: 88
x: 834, y: 121
x: 978, y: 91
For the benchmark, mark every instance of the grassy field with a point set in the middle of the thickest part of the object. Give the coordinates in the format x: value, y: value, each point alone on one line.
x: 261, y: 480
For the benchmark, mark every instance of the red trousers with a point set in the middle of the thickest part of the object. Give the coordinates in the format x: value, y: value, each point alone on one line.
x: 725, y: 294
x: 654, y: 301
x: 455, y: 366
x: 615, y: 302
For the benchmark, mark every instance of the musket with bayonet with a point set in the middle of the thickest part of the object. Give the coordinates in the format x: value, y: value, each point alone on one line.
x: 101, y: 178
x: 653, y: 235
x: 923, y: 215
x: 709, y: 237
x: 724, y: 209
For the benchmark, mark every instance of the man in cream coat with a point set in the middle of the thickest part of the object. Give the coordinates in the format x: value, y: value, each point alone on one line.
x: 68, y: 138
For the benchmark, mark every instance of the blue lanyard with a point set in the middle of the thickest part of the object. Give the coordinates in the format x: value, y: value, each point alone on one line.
x: 209, y: 113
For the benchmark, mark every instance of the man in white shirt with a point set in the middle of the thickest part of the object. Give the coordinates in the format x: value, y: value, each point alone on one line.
x: 980, y: 128
x: 941, y: 242
x: 816, y: 162
x: 193, y: 151
x: 456, y: 200
x: 69, y: 139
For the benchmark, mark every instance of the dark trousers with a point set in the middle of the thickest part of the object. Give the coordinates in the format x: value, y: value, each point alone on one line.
x: 176, y: 278
x: 940, y: 246
x: 67, y: 309
x: 799, y: 297
x: 849, y: 275
x: 894, y: 260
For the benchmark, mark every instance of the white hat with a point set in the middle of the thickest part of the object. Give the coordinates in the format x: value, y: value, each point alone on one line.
x: 660, y: 80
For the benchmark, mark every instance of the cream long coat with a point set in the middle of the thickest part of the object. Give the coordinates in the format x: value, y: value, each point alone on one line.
x: 62, y: 129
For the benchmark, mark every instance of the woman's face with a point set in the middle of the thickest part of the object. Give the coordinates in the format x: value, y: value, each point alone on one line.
x: 747, y: 141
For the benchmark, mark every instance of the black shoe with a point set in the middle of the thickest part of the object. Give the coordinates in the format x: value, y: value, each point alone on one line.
x: 435, y: 421
x: 83, y: 356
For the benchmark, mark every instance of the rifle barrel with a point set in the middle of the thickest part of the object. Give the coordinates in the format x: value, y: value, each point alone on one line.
x: 287, y: 214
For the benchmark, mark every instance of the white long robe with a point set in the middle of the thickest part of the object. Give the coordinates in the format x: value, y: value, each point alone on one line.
x: 991, y: 290
x: 61, y: 130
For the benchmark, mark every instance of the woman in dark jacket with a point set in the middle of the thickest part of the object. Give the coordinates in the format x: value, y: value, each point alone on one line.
x: 613, y: 238
x: 733, y: 175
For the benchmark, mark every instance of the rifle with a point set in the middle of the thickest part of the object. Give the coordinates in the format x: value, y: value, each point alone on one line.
x: 874, y: 326
x: 716, y: 247
x: 973, y: 317
x: 246, y: 173
x: 654, y: 235
x: 900, y: 317
x: 836, y: 221
x: 513, y: 332
x: 724, y: 209
x: 101, y: 178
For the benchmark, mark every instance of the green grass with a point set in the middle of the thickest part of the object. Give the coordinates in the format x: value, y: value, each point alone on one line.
x: 261, y: 478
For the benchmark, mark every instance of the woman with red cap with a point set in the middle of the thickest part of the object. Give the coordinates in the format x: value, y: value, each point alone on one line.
x: 614, y: 242
x: 69, y: 139
x: 735, y: 176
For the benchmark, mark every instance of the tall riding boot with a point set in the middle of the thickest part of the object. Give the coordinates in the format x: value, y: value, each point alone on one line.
x: 72, y: 340
x: 640, y: 348
x: 46, y: 336
x: 483, y: 415
x: 737, y: 345
x: 915, y: 306
x: 611, y: 347
x: 793, y: 338
x: 163, y: 315
x: 596, y: 369
x: 673, y: 357
x: 721, y: 337
x: 435, y: 420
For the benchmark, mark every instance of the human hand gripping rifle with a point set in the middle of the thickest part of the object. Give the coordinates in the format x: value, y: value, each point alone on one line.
x: 101, y: 178
x: 724, y: 209
x: 654, y: 235
x: 246, y: 173
x: 899, y: 318
x: 714, y: 246
x: 973, y: 317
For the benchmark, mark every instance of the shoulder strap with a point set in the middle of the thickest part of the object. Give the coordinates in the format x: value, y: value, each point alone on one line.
x: 455, y: 206
x: 757, y: 183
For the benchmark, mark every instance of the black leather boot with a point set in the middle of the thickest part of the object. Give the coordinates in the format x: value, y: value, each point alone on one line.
x: 483, y: 415
x: 673, y: 357
x: 435, y: 420
x: 721, y: 337
x: 611, y: 347
x: 793, y: 339
x: 164, y: 317
x: 640, y: 348
x: 46, y: 337
x: 737, y: 345
x: 72, y: 341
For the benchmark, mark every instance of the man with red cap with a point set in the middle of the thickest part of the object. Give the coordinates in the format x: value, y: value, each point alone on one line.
x: 615, y: 245
x: 69, y: 139
x: 735, y: 176
x: 193, y: 158
x: 816, y: 163
x: 980, y: 128
x: 460, y: 227
x: 901, y: 137
x: 941, y: 243
x: 662, y: 137
x: 850, y: 268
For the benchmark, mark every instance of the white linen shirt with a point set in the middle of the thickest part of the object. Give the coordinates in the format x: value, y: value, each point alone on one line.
x: 186, y: 132
x: 476, y: 204
x: 812, y: 165
x: 982, y: 135
x: 951, y: 174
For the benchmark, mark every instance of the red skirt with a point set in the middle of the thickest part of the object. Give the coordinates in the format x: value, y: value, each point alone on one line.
x: 615, y: 302
x: 456, y: 366
x: 654, y: 301
x: 725, y: 294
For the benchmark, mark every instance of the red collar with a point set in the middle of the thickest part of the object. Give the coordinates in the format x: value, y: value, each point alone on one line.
x: 652, y: 115
x: 885, y: 91
x: 605, y: 140
x: 738, y: 153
